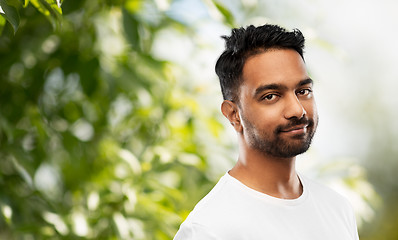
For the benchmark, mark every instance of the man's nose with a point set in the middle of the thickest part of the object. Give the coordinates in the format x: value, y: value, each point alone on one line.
x: 294, y: 108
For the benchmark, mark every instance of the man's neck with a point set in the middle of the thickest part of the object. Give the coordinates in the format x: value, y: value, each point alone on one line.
x: 276, y: 177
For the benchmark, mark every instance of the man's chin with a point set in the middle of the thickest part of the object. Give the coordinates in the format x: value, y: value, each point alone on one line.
x: 296, y: 147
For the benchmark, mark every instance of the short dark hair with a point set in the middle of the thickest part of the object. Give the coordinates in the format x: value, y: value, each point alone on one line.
x: 244, y: 43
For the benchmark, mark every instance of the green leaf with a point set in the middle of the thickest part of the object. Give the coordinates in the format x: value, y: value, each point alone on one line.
x: 11, y: 14
x: 2, y: 23
x: 133, y: 6
x: 50, y: 9
x: 130, y: 25
x: 54, y: 5
x: 23, y: 3
x: 229, y: 18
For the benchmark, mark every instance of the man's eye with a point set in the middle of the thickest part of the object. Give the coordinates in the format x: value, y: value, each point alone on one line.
x: 270, y: 97
x: 304, y: 92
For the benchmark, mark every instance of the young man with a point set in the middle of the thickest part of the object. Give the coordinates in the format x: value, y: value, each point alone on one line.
x: 269, y: 100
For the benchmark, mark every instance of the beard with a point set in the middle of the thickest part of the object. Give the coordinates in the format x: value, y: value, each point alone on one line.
x: 274, y: 144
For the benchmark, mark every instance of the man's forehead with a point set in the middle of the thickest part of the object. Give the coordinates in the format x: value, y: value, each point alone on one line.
x: 274, y: 67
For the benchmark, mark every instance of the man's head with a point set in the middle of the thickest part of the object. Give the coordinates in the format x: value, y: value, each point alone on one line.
x: 268, y: 93
x: 244, y: 43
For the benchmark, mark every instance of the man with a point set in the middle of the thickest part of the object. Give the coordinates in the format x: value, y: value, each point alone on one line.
x: 269, y: 100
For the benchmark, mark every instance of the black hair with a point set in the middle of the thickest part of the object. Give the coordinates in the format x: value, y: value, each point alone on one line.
x: 244, y: 43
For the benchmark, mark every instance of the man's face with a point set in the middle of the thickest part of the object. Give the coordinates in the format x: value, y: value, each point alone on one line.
x: 277, y: 106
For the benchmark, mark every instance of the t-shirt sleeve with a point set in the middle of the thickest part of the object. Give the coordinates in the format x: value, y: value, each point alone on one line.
x: 192, y: 231
x: 354, y: 227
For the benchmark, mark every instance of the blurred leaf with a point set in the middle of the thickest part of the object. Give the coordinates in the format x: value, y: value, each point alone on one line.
x: 228, y: 16
x: 10, y: 14
x: 2, y: 23
x: 130, y: 25
x: 50, y: 9
x: 88, y: 74
x: 133, y: 6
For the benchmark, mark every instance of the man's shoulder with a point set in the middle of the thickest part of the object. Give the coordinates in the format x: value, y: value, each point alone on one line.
x: 215, y: 204
x: 324, y: 193
x: 216, y: 214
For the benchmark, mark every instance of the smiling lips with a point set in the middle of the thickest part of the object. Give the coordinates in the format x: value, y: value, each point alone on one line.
x: 299, y: 129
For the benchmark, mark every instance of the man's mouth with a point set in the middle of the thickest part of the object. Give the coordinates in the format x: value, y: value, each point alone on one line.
x: 298, y: 128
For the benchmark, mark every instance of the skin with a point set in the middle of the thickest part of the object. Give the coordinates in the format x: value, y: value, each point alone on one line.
x: 276, y: 90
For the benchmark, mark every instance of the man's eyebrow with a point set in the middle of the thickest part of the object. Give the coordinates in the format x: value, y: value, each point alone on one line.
x: 274, y: 86
x: 305, y: 82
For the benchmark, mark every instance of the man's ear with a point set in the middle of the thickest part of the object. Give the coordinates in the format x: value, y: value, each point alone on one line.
x: 230, y: 111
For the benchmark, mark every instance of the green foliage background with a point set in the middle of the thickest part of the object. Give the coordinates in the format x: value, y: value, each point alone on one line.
x: 100, y: 139
x: 93, y: 144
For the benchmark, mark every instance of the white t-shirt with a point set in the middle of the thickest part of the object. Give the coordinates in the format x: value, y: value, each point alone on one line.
x: 233, y: 211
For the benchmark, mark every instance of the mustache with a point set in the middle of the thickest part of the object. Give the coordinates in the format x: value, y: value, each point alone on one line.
x: 295, y: 122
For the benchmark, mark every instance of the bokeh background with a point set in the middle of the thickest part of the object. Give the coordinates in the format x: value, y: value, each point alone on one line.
x: 109, y: 111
